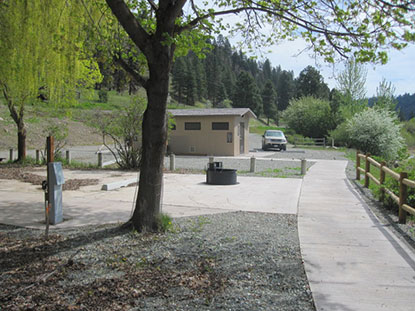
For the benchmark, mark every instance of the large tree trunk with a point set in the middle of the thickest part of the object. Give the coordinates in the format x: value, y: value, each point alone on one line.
x: 21, y: 141
x: 154, y: 135
x: 159, y: 55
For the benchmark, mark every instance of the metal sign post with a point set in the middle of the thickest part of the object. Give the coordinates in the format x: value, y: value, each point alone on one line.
x: 53, y: 187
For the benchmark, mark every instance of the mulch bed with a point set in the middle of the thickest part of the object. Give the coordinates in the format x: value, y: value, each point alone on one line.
x: 23, y: 174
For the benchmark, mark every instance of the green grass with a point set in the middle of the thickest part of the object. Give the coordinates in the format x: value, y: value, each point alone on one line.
x: 259, y: 127
x: 286, y: 172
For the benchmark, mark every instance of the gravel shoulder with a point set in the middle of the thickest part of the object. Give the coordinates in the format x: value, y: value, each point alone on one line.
x: 234, y: 261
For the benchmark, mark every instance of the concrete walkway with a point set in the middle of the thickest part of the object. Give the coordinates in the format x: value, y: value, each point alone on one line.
x: 22, y: 204
x: 352, y: 261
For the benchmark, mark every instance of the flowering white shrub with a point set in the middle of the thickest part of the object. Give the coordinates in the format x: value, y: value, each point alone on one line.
x: 376, y: 131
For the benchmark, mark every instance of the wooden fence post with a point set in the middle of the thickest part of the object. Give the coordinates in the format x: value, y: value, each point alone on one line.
x: 50, y: 147
x: 403, y: 195
x: 367, y: 170
x: 382, y: 181
x: 357, y: 165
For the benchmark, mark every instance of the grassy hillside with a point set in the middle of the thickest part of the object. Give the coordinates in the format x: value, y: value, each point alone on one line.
x: 78, y: 118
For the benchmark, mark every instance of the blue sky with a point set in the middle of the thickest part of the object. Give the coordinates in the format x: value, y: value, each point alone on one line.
x: 400, y: 70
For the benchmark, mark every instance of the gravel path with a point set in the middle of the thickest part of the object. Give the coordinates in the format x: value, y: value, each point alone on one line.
x: 234, y: 261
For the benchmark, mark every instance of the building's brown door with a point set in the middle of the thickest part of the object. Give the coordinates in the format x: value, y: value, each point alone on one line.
x: 242, y: 138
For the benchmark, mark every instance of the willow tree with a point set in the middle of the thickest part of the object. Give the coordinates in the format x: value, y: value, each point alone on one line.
x: 40, y: 51
x: 362, y: 28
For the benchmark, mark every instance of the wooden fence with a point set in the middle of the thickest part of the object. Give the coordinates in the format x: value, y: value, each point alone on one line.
x: 402, y: 178
x: 310, y: 141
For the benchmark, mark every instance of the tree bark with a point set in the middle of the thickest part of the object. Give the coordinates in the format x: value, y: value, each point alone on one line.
x: 154, y: 136
x: 21, y: 141
x: 159, y: 55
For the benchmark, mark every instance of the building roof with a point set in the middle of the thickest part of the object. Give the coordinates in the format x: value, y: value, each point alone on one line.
x: 212, y: 112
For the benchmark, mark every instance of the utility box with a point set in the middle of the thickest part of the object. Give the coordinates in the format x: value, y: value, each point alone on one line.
x: 55, y: 182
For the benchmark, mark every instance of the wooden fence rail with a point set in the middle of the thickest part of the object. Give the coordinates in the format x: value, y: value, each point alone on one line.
x: 401, y: 178
x: 310, y: 141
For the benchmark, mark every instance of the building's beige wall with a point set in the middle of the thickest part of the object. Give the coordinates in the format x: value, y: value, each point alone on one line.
x: 207, y: 141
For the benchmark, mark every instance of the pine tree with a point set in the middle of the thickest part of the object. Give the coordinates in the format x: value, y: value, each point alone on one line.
x: 285, y: 89
x: 178, y: 79
x: 246, y: 94
x: 269, y: 101
x: 200, y: 78
x: 189, y: 90
x: 311, y: 83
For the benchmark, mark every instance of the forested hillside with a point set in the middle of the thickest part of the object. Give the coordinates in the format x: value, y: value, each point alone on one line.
x: 406, y: 106
x: 228, y: 78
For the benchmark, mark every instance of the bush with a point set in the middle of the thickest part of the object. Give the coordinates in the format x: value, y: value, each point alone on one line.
x: 376, y: 131
x: 123, y: 127
x: 340, y: 135
x: 309, y: 116
x: 390, y: 183
x: 59, y: 131
x: 103, y: 96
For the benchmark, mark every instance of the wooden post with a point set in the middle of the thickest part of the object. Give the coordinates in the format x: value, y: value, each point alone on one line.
x: 11, y: 154
x: 403, y: 196
x: 253, y: 165
x: 50, y: 148
x: 37, y: 156
x: 324, y: 142
x: 367, y: 170
x: 172, y: 162
x: 357, y: 165
x: 68, y: 156
x: 100, y: 161
x: 382, y: 181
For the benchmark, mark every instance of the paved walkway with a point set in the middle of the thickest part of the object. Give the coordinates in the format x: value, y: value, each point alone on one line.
x: 22, y: 204
x: 352, y: 261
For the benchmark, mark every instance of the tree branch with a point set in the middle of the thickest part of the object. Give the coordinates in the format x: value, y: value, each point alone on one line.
x: 10, y: 105
x: 135, y: 75
x: 130, y: 24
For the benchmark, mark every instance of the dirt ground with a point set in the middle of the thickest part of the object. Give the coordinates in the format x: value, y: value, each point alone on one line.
x: 12, y: 171
x: 79, y: 133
